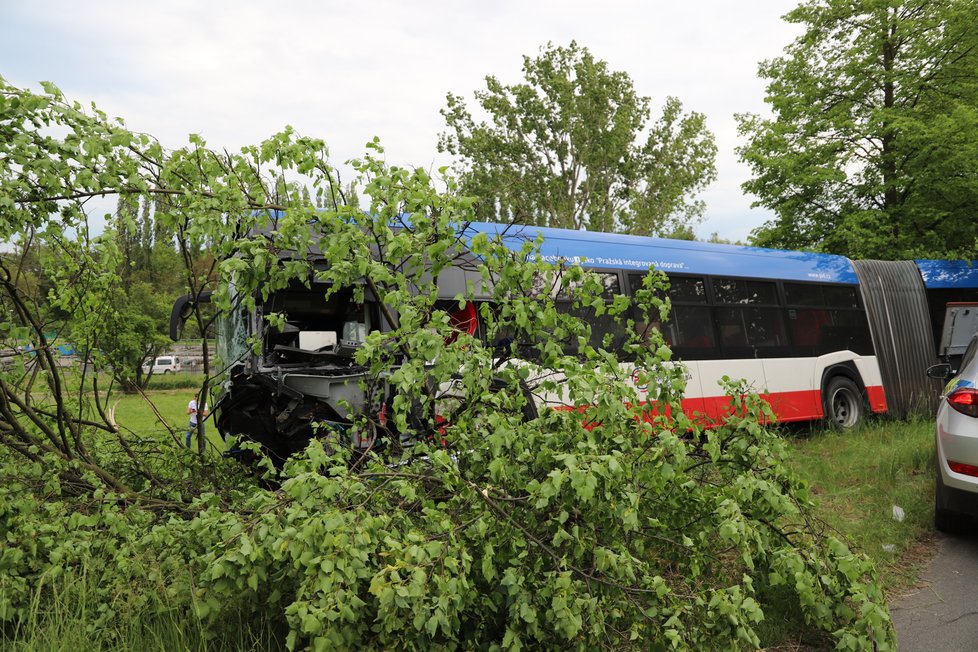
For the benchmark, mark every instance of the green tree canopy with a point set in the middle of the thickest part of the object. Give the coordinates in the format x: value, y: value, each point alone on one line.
x: 873, y: 146
x: 572, y: 147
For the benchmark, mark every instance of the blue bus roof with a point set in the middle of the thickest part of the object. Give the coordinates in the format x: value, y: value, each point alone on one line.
x: 618, y: 251
x: 944, y: 274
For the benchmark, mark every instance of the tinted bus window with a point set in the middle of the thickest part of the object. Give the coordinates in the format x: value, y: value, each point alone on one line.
x: 754, y: 328
x: 746, y: 329
x: 826, y: 318
x: 850, y: 330
x: 689, y: 329
x: 841, y: 297
x: 729, y: 290
x: 806, y: 327
x: 609, y: 281
x: 600, y: 325
x: 682, y: 289
x: 800, y: 294
x: 835, y: 296
x: 686, y: 289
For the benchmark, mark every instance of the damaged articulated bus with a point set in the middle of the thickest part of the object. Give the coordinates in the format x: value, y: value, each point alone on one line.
x: 803, y: 329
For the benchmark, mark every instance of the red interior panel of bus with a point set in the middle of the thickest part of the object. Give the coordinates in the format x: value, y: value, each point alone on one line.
x: 464, y: 321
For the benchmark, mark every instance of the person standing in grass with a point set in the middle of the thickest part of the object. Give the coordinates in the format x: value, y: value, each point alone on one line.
x: 193, y: 411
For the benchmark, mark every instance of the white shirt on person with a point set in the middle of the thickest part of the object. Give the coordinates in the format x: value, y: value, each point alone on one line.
x: 192, y: 408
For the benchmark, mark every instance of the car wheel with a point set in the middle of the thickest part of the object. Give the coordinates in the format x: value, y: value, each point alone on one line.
x: 945, y: 520
x: 844, y: 405
x: 166, y: 371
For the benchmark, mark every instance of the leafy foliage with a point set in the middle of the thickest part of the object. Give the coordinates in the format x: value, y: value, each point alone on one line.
x: 616, y: 523
x: 571, y: 147
x: 872, y: 148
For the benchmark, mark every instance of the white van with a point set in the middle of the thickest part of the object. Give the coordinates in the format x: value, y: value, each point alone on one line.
x: 164, y: 365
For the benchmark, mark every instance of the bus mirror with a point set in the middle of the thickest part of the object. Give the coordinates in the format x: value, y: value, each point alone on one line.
x: 183, y: 308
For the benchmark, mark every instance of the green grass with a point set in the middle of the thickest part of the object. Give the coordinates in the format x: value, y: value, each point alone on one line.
x: 72, y: 379
x: 66, y: 618
x: 132, y: 412
x: 857, y: 477
x: 176, y: 381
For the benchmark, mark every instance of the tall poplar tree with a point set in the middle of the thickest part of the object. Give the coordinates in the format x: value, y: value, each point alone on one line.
x: 572, y: 147
x: 872, y: 150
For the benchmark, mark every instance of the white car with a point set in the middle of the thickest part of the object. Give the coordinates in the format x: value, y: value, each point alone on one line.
x: 163, y: 365
x: 956, y: 500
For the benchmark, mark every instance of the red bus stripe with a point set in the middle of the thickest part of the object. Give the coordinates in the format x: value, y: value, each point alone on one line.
x: 802, y: 405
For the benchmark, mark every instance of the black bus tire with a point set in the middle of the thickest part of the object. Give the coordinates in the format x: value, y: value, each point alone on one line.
x: 844, y: 404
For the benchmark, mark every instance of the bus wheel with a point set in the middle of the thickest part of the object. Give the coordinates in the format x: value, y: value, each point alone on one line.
x: 844, y: 406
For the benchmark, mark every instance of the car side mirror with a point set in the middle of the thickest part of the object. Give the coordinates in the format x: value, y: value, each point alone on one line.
x: 939, y: 371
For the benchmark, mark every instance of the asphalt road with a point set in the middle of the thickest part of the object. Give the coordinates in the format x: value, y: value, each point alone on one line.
x: 943, y: 613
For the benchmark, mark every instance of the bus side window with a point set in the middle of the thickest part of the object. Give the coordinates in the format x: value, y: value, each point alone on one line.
x: 601, y: 326
x: 644, y: 331
x: 806, y: 326
x: 733, y: 335
x: 691, y: 327
x: 826, y: 318
x: 733, y: 331
x: 751, y: 322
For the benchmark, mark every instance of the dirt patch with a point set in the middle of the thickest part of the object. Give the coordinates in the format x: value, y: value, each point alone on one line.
x: 909, y: 566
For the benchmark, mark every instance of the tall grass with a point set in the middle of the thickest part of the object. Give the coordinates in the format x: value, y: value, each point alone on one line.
x: 176, y: 381
x: 858, y: 477
x: 65, y: 616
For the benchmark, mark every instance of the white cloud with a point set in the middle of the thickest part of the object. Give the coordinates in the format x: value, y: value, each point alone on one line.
x: 237, y: 71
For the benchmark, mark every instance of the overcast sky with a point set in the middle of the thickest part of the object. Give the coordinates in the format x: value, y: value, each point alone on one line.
x: 236, y: 71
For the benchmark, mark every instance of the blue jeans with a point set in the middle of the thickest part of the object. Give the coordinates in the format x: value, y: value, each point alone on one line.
x: 191, y: 430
